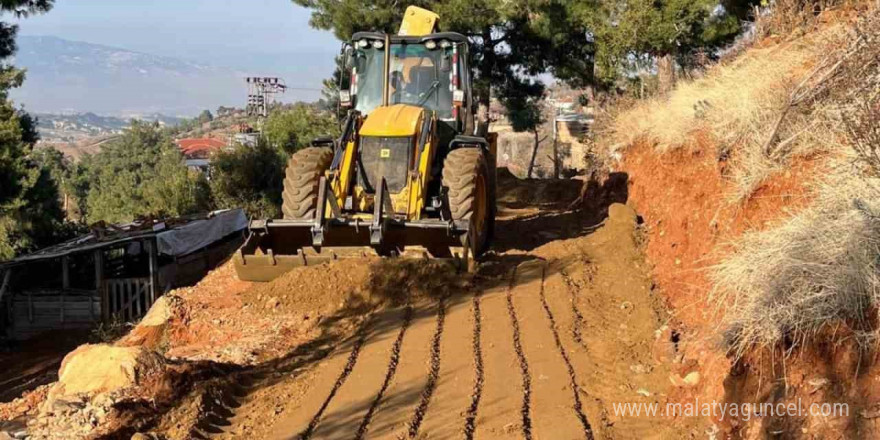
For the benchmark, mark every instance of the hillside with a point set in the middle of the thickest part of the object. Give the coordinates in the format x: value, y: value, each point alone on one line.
x: 70, y: 76
x: 715, y: 276
x: 72, y: 128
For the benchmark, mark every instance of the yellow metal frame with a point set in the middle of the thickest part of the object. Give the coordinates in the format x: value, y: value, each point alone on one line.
x: 418, y: 21
x: 393, y: 121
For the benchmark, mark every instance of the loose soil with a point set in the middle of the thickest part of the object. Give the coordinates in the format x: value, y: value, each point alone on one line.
x: 549, y: 334
x: 560, y: 323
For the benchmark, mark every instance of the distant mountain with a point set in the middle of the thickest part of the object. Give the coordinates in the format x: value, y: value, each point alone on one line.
x: 67, y: 77
x: 69, y: 127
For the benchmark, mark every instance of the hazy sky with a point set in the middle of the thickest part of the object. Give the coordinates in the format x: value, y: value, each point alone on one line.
x: 270, y: 37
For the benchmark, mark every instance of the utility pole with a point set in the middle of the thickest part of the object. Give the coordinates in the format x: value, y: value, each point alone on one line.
x: 261, y: 94
x: 556, y: 144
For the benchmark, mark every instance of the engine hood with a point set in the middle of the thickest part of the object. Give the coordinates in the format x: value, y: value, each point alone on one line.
x: 392, y: 121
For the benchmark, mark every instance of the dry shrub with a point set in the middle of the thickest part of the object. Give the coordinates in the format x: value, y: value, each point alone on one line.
x: 820, y: 267
x: 731, y: 101
x: 763, y: 107
x: 790, y: 16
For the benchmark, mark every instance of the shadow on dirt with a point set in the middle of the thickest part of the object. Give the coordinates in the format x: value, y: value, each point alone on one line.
x: 587, y: 210
x: 817, y: 380
x: 208, y: 393
x: 35, y: 362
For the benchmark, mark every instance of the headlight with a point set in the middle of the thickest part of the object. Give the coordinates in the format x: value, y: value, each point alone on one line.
x: 362, y: 44
x: 430, y: 44
x: 445, y: 43
x: 378, y: 44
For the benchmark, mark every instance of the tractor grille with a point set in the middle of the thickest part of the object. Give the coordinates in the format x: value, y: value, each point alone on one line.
x: 388, y: 157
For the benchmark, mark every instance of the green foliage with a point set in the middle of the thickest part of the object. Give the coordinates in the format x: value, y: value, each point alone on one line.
x: 30, y: 213
x: 626, y: 31
x: 141, y: 174
x: 59, y: 167
x: 293, y: 128
x: 250, y: 178
x: 523, y: 103
x: 205, y: 116
x: 512, y: 40
x: 28, y: 197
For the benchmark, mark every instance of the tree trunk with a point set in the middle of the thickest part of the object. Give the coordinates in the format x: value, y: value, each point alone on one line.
x: 556, y: 165
x: 484, y: 98
x: 534, y: 156
x: 666, y: 73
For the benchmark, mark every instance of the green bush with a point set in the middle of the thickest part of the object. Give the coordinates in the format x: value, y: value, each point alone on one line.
x: 250, y: 178
x: 294, y: 128
x: 140, y: 174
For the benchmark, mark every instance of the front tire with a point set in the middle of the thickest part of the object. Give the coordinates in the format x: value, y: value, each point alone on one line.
x: 469, y: 190
x: 304, y: 171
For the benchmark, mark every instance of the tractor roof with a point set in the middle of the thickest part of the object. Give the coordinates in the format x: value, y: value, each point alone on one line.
x: 413, y: 39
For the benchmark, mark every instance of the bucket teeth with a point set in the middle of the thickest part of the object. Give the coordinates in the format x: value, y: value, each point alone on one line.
x: 277, y: 246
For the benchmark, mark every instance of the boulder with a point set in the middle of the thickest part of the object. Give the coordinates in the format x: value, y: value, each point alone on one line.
x: 101, y: 368
x: 150, y: 332
x: 620, y: 213
x: 159, y: 313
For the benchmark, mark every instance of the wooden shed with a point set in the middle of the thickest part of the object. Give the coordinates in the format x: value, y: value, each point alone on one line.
x: 113, y: 273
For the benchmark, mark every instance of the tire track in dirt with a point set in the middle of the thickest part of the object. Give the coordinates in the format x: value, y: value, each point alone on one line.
x: 460, y: 372
x: 343, y: 376
x: 523, y: 363
x: 556, y: 410
x: 577, y: 316
x: 401, y: 398
x: 393, y: 362
x: 469, y: 426
x: 499, y: 413
x: 576, y: 390
x: 346, y: 396
x: 433, y: 373
x: 563, y: 292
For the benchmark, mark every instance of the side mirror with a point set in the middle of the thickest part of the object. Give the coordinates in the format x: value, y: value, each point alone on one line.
x: 345, y: 98
x: 347, y: 56
x: 346, y: 79
x: 458, y: 98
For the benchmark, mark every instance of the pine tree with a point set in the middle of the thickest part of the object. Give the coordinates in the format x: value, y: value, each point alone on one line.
x: 514, y: 42
x: 29, y: 207
x: 663, y: 32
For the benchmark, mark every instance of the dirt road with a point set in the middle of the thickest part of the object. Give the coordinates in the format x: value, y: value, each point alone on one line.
x: 559, y: 328
x: 556, y: 328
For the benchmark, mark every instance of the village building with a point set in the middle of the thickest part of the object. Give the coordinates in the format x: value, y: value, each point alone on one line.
x: 114, y: 273
x: 197, y: 151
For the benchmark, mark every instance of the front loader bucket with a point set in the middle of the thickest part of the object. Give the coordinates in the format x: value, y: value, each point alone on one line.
x: 277, y: 246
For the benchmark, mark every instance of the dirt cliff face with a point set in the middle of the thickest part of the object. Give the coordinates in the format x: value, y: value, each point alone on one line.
x: 681, y: 197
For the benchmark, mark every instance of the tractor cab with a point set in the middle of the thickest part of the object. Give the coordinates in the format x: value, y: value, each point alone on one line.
x: 426, y: 71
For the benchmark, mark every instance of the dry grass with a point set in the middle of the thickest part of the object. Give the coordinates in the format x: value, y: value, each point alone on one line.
x: 818, y: 268
x: 821, y: 267
x: 809, y: 86
x: 759, y: 107
x: 720, y: 102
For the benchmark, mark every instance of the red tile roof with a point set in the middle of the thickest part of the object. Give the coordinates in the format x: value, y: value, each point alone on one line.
x: 199, y: 148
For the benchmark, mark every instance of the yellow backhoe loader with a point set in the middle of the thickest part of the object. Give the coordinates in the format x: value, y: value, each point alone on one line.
x: 405, y: 178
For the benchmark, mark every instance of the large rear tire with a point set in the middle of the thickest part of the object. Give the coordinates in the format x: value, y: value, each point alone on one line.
x: 304, y: 171
x: 469, y: 189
